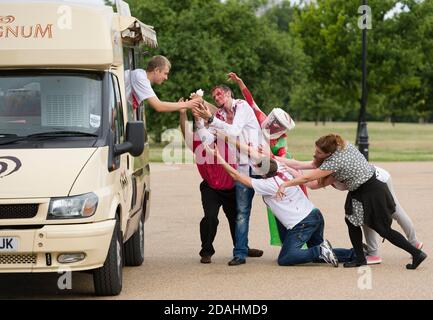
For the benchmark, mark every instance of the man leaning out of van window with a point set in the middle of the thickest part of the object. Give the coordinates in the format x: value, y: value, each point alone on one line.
x: 139, y: 86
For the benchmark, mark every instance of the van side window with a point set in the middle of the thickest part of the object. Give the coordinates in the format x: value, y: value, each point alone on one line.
x: 117, y: 121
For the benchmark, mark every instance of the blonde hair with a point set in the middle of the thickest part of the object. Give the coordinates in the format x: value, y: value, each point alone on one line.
x: 157, y: 62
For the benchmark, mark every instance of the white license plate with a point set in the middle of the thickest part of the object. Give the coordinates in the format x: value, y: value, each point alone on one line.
x: 8, y: 244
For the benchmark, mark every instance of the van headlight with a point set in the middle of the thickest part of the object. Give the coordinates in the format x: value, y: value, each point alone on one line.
x: 77, y: 207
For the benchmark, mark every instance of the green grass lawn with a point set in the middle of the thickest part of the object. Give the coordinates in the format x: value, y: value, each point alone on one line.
x: 402, y: 142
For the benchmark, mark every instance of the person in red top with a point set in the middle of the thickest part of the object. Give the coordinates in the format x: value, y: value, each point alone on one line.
x: 276, y: 133
x: 217, y: 188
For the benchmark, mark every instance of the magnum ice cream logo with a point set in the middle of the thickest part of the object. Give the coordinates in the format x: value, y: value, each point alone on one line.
x: 7, y: 19
x: 9, y: 165
x: 9, y: 30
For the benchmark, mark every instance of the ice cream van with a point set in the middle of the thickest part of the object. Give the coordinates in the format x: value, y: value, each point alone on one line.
x: 74, y: 157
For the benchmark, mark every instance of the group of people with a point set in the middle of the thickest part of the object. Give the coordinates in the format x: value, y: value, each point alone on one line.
x: 241, y: 151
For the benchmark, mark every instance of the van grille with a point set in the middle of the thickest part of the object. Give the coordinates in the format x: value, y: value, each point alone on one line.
x: 18, y: 211
x: 17, y: 259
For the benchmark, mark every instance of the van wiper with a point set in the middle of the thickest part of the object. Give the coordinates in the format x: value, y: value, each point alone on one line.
x: 61, y: 134
x: 49, y: 134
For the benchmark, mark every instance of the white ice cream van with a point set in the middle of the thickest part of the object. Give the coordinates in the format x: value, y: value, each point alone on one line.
x: 74, y: 170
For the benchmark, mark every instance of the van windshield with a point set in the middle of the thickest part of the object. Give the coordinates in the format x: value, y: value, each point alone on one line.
x: 50, y: 102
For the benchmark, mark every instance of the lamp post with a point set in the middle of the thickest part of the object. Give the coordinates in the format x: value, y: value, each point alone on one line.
x: 362, y: 132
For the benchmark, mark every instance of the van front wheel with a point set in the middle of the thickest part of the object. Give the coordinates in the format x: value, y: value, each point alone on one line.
x: 134, y: 247
x: 108, y: 279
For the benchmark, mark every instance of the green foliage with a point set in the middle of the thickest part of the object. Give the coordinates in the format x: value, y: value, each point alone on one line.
x: 306, y: 59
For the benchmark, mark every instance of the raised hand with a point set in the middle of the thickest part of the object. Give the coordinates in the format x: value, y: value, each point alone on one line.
x: 234, y: 77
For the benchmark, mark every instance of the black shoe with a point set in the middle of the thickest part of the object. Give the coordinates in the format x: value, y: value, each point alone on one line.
x: 236, y: 261
x: 206, y: 259
x: 416, y: 261
x: 355, y: 263
x: 255, y: 253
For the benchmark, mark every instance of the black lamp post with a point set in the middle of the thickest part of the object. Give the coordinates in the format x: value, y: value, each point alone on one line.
x: 362, y: 133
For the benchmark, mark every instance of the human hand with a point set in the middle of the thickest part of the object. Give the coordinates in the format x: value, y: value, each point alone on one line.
x: 281, y: 192
x: 234, y: 77
x: 195, y: 96
x: 193, y: 103
x: 202, y: 111
x: 264, y: 150
x: 182, y: 111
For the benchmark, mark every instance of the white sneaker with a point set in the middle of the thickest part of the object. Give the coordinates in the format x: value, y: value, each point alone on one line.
x: 327, y: 254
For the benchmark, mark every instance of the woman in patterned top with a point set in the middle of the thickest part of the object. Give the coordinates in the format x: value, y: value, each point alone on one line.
x: 369, y: 200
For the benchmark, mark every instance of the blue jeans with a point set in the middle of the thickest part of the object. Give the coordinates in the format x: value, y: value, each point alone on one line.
x: 309, y: 231
x: 244, y: 199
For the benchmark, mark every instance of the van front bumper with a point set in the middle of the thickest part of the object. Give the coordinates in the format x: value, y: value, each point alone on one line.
x: 38, y: 249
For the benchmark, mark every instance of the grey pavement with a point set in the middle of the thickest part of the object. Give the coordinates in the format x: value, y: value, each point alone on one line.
x: 172, y: 269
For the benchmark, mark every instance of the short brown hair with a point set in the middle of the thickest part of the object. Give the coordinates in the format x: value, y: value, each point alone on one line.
x: 330, y: 143
x: 157, y: 62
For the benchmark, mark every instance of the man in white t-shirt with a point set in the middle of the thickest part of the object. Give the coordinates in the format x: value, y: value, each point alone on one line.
x: 302, y: 221
x: 138, y: 84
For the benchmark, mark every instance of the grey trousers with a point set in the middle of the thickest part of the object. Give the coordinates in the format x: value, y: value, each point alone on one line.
x: 372, y: 238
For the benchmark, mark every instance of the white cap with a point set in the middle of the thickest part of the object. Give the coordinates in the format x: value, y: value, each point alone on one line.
x: 276, y: 124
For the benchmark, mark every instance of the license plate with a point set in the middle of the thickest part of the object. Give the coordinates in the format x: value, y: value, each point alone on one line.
x: 8, y: 244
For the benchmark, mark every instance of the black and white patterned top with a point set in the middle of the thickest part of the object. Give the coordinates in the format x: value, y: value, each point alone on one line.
x: 351, y: 168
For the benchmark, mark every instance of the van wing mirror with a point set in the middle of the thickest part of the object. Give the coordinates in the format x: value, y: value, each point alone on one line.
x: 134, y: 143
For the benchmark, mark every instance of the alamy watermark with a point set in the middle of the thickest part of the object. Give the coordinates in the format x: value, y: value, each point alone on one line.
x: 64, y: 282
x: 365, y: 280
x: 365, y: 21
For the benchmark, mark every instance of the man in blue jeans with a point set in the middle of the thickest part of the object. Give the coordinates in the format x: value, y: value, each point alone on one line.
x: 236, y: 118
x: 303, y: 223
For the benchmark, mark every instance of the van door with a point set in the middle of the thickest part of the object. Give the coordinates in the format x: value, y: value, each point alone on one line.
x: 118, y: 126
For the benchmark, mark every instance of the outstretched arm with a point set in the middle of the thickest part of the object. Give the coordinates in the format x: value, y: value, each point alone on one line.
x: 163, y: 106
x: 310, y: 176
x: 230, y: 170
x: 295, y: 164
x: 243, y: 148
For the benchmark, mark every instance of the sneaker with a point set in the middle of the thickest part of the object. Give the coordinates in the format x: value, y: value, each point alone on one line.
x: 255, y: 253
x: 416, y: 261
x: 374, y: 259
x: 354, y: 264
x: 236, y: 261
x: 419, y: 245
x: 327, y: 254
x: 206, y: 259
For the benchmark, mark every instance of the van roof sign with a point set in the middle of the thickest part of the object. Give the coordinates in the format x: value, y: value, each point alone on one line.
x: 70, y: 36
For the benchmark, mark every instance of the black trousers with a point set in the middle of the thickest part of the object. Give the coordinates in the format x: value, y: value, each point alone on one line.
x: 212, y: 200
x: 396, y: 238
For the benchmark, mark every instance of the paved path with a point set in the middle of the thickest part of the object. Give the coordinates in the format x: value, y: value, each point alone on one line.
x: 172, y: 269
